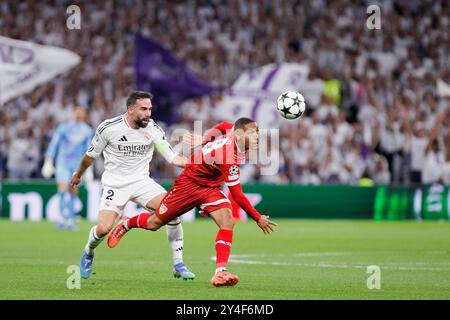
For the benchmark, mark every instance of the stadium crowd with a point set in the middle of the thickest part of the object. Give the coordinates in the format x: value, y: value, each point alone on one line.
x: 377, y: 105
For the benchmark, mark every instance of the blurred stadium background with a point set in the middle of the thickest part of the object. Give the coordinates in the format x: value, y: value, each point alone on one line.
x: 377, y: 100
x: 374, y: 143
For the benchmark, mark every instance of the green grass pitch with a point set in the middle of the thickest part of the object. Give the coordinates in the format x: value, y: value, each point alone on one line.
x: 303, y: 259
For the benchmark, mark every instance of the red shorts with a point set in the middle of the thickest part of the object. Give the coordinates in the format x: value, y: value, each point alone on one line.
x: 186, y: 195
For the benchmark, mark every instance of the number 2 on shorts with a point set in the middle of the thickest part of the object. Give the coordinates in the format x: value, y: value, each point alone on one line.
x: 110, y: 194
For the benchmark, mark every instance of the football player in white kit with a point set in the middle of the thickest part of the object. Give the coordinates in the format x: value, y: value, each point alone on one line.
x: 127, y: 143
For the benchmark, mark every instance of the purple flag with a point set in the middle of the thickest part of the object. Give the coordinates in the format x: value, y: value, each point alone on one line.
x: 168, y: 79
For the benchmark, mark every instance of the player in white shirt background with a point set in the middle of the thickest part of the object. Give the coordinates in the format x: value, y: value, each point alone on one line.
x: 127, y: 143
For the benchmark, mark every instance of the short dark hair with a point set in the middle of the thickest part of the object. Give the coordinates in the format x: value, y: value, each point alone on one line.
x: 242, y: 122
x: 136, y: 95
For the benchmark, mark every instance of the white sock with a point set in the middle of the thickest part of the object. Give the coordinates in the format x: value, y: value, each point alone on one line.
x: 220, y: 269
x: 174, y: 232
x: 93, y: 241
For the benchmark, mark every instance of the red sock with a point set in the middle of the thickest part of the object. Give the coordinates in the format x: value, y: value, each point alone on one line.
x: 223, y: 247
x: 139, y: 221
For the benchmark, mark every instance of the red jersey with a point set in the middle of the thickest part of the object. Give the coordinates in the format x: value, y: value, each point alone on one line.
x: 218, y: 130
x: 217, y: 162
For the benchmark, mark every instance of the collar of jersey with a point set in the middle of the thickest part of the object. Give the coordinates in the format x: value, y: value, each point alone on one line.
x: 124, y: 116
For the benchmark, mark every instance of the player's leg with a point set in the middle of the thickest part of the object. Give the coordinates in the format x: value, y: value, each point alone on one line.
x: 218, y: 207
x: 62, y: 195
x: 62, y: 176
x: 224, y: 220
x: 112, y: 203
x: 98, y: 232
x: 174, y: 232
x: 143, y: 220
x: 73, y: 196
x: 106, y: 219
x: 66, y: 207
x: 177, y: 201
x: 148, y: 194
x: 224, y: 239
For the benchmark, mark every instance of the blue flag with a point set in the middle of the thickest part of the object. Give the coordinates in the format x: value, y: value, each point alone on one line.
x: 168, y: 79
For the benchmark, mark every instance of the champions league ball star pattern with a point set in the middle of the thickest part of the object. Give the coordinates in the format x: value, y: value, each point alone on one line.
x: 291, y: 105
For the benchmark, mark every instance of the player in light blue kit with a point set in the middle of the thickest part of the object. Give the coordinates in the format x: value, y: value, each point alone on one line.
x: 67, y: 147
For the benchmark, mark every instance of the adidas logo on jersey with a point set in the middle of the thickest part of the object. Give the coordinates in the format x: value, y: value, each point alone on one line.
x: 123, y: 139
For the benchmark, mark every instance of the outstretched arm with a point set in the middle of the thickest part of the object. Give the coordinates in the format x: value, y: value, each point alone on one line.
x: 216, y: 131
x: 165, y: 149
x: 48, y: 168
x: 179, y: 161
x: 262, y: 220
x: 193, y: 140
x: 96, y: 147
x: 85, y: 163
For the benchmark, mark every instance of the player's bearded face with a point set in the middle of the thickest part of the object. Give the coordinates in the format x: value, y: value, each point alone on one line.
x: 141, y: 122
x: 142, y: 112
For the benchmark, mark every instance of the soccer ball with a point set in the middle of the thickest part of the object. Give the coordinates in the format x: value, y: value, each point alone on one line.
x: 291, y: 105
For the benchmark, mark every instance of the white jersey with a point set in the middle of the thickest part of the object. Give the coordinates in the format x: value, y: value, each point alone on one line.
x: 127, y: 151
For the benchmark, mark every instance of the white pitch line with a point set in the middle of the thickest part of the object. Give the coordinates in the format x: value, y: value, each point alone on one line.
x: 302, y: 254
x: 402, y: 263
x: 237, y: 258
x: 339, y: 266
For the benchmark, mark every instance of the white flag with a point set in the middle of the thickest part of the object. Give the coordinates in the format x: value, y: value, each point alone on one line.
x: 25, y: 65
x: 443, y: 89
x: 254, y: 94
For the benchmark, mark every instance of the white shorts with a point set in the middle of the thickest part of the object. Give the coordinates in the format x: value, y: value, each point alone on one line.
x: 140, y: 192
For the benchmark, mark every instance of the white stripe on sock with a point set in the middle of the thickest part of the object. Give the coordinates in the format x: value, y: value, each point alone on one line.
x: 223, y: 242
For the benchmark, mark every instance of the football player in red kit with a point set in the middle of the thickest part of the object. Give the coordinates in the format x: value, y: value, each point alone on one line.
x: 199, y: 185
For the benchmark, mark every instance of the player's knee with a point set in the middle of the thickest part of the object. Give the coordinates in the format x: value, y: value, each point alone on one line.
x: 229, y: 224
x: 154, y: 224
x: 227, y: 221
x: 153, y: 227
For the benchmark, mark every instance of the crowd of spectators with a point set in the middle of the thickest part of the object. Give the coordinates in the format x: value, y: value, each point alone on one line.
x: 375, y: 106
